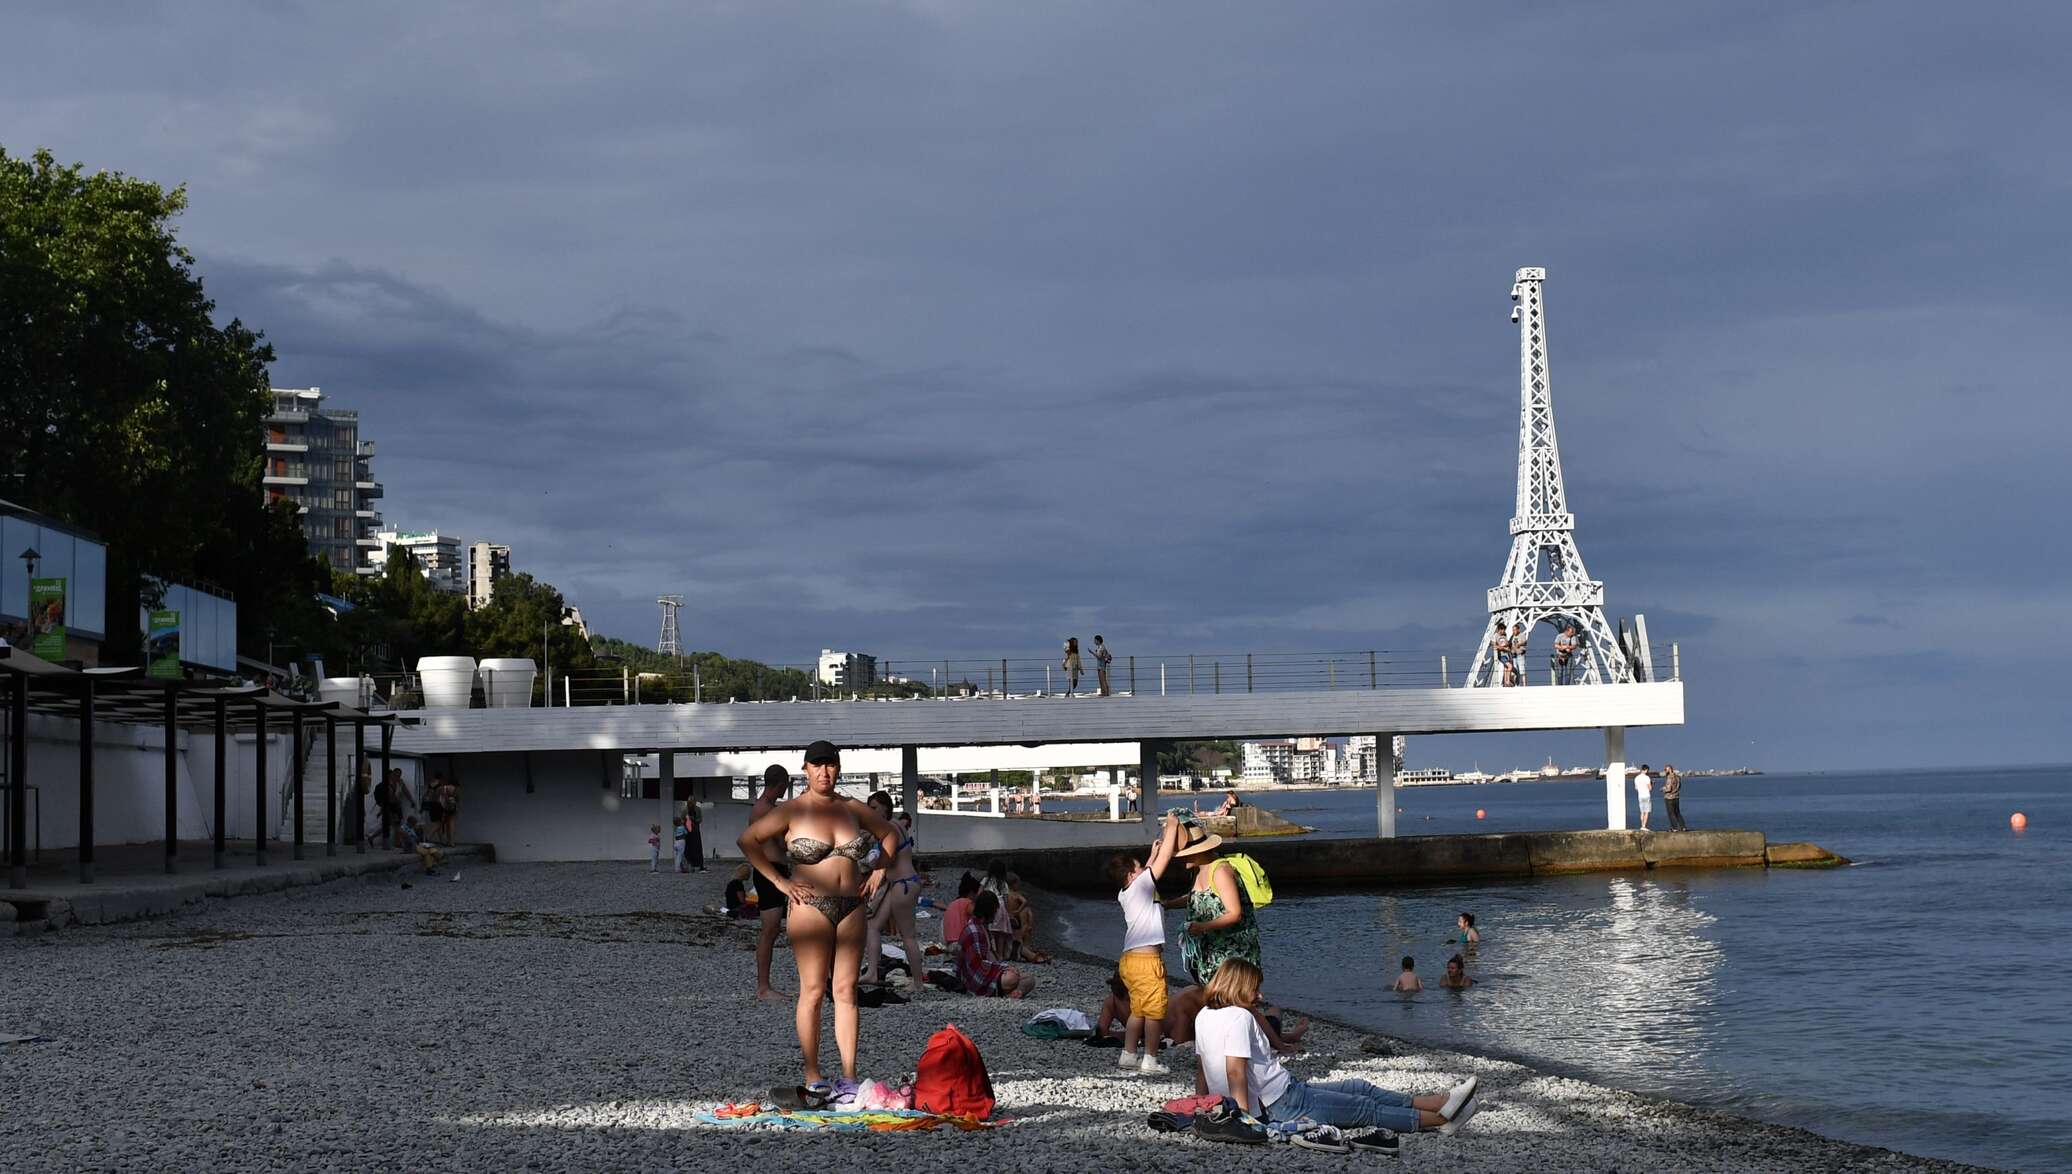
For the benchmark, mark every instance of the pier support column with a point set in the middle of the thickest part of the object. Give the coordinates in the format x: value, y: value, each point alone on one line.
x: 910, y: 781
x: 1615, y: 778
x: 1386, y: 764
x: 1147, y: 787
x: 665, y: 790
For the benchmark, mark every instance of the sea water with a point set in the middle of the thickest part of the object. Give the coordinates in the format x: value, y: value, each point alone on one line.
x: 1919, y: 999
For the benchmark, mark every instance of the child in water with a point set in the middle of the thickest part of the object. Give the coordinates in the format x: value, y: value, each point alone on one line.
x: 1408, y: 980
x: 1468, y: 937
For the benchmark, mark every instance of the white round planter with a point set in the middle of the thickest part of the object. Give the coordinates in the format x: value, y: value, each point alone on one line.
x: 447, y: 681
x: 507, y: 681
x: 344, y: 690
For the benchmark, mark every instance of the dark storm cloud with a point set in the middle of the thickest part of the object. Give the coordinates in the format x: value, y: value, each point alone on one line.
x: 943, y: 329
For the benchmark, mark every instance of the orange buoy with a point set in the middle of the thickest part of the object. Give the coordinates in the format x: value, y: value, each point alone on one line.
x: 1479, y: 813
x: 2018, y: 821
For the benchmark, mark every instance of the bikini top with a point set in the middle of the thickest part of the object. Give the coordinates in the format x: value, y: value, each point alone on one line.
x: 807, y: 850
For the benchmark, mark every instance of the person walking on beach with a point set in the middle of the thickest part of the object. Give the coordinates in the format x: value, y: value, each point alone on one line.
x: 1221, y: 923
x: 1672, y: 793
x: 654, y: 847
x: 827, y: 839
x: 769, y: 898
x: 1236, y: 1061
x: 1102, y: 659
x: 1072, y: 665
x: 894, y: 906
x: 1408, y: 982
x: 1643, y: 791
x: 1142, y: 965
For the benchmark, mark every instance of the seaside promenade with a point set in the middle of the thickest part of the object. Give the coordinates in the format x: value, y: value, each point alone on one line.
x: 579, y: 1016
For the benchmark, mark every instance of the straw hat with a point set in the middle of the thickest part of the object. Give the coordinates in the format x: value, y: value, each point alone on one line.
x: 1198, y: 841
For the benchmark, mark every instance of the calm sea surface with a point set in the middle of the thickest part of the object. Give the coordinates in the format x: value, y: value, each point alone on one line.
x: 1920, y: 999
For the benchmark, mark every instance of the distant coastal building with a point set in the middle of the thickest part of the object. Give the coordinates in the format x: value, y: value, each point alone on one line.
x: 438, y: 556
x: 487, y: 562
x: 316, y: 458
x: 847, y: 670
x: 1269, y: 762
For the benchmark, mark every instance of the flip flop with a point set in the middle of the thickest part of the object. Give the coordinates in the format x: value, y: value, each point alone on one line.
x: 800, y: 1096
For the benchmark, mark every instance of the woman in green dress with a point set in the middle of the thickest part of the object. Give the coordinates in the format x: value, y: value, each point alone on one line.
x: 1221, y: 923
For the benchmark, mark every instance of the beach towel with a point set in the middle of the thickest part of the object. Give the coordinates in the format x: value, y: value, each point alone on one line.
x: 873, y: 1121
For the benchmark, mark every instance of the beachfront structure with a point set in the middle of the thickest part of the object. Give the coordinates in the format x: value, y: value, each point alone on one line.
x: 1544, y: 580
x: 1269, y: 762
x: 317, y: 459
x: 438, y: 556
x: 487, y: 563
x: 847, y: 670
x: 71, y: 565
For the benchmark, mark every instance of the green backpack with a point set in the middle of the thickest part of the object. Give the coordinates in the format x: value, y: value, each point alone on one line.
x: 1253, y: 875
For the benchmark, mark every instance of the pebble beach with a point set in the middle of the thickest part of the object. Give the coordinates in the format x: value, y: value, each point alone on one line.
x: 578, y: 1016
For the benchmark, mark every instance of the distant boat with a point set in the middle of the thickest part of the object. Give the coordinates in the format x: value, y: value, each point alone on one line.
x: 1473, y: 776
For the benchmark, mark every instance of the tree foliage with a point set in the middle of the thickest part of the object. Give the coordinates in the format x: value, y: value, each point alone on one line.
x: 124, y: 407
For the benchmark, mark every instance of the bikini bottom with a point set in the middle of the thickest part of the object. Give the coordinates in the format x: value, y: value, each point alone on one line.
x: 835, y: 908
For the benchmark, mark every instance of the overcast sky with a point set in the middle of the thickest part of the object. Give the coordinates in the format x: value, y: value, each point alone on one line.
x: 953, y: 329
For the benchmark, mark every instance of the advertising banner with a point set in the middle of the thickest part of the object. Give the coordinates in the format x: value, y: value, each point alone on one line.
x: 47, y: 618
x: 162, y: 645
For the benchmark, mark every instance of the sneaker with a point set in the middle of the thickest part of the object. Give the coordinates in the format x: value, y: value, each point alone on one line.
x: 1468, y: 1108
x: 1380, y: 1141
x: 1457, y: 1097
x: 1225, y: 1125
x: 1165, y: 1122
x: 1127, y: 1059
x: 1149, y: 1066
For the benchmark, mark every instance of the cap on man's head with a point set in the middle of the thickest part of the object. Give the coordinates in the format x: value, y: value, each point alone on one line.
x: 822, y: 751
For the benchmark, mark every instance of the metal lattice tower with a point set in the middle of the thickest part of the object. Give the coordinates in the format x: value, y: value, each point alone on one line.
x: 671, y: 643
x: 1544, y: 579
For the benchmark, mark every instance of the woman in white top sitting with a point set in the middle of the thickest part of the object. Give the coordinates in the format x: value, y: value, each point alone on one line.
x: 1237, y: 1062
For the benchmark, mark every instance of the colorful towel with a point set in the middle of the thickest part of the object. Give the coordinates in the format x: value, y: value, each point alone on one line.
x: 875, y: 1121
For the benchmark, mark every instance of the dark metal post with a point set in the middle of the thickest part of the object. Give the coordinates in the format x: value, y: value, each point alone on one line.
x: 1370, y: 670
x: 18, y: 784
x: 222, y: 719
x: 330, y: 785
x: 1133, y: 675
x: 388, y: 730
x: 359, y: 820
x: 1190, y: 674
x: 295, y: 744
x: 1248, y: 672
x: 1003, y: 678
x: 172, y: 779
x: 259, y: 764
x: 86, y: 781
x: 1219, y: 677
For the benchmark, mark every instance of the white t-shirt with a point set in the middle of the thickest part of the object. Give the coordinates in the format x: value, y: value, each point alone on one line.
x: 1143, y: 922
x: 1642, y: 784
x: 1223, y: 1032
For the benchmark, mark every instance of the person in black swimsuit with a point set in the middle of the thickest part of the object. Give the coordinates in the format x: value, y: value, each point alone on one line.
x: 826, y: 838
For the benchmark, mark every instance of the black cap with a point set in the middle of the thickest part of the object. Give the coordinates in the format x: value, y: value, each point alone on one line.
x: 822, y: 751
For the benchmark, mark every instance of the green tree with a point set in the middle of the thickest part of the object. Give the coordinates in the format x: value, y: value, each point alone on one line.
x: 520, y: 614
x: 124, y: 407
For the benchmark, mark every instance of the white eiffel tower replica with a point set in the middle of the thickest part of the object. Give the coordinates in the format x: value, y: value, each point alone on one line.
x: 1544, y: 579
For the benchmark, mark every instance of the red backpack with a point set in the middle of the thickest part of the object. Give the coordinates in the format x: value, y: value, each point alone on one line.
x: 952, y: 1078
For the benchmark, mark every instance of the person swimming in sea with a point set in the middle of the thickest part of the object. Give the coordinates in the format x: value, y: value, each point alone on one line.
x: 1468, y: 937
x: 1408, y: 980
x: 1456, y: 976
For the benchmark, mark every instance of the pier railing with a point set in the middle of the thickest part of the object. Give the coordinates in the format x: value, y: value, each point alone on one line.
x: 1025, y: 677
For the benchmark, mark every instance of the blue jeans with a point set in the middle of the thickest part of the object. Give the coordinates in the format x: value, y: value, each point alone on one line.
x: 1348, y: 1104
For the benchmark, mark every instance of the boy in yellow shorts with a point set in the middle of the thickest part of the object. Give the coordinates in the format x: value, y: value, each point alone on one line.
x: 1143, y: 947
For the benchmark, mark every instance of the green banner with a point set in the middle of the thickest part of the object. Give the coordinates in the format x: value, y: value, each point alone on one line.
x: 47, y: 618
x: 162, y: 645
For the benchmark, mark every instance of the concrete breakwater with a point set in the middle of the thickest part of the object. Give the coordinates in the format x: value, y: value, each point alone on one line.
x: 1301, y: 863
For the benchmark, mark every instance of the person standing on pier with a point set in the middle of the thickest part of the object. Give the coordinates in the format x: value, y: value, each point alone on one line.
x: 1672, y: 792
x: 1102, y: 659
x: 1643, y: 793
x: 1072, y: 664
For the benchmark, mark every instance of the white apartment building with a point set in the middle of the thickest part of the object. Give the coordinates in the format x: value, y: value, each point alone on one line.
x: 487, y: 562
x: 847, y: 670
x: 1269, y: 762
x: 438, y: 556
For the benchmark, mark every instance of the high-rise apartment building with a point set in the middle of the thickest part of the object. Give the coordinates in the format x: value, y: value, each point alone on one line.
x: 487, y: 562
x: 847, y: 669
x: 316, y: 458
x: 438, y: 557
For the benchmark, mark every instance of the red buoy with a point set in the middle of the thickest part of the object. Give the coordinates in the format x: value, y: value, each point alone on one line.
x: 1479, y: 813
x: 2018, y: 821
